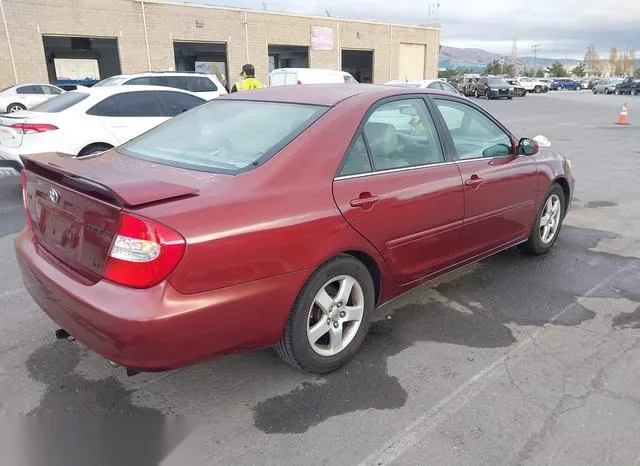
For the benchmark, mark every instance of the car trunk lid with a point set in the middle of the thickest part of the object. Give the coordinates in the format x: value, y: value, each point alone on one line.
x: 75, y: 207
x: 10, y: 137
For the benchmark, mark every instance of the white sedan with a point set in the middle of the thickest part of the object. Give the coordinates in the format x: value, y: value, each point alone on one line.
x: 25, y: 96
x: 437, y: 84
x: 83, y: 123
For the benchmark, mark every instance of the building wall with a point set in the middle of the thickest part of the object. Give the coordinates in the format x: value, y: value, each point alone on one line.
x: 246, y: 33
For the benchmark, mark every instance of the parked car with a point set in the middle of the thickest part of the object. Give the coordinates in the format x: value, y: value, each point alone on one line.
x: 437, y: 84
x: 198, y: 239
x: 467, y: 84
x: 559, y: 84
x: 533, y: 85
x: 606, y: 86
x: 83, y: 123
x: 594, y: 82
x: 294, y: 76
x: 518, y: 88
x: 493, y: 88
x: 207, y: 86
x: 629, y: 86
x: 25, y: 96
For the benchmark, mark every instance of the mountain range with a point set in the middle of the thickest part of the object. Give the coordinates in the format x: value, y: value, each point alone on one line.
x: 482, y: 57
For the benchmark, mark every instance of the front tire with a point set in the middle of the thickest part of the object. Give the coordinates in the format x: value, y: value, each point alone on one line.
x: 548, y: 222
x: 330, y: 318
x: 477, y: 96
x: 537, y: 89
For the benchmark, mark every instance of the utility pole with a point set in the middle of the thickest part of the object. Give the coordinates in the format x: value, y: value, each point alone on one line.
x: 535, y: 55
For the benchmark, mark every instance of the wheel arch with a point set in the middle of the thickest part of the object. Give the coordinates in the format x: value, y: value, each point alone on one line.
x: 371, y: 265
x: 566, y: 189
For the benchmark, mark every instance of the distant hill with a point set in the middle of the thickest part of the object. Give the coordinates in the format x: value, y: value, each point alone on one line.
x: 474, y: 56
x: 464, y: 56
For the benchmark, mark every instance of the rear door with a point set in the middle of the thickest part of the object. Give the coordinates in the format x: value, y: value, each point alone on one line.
x: 500, y: 187
x: 50, y: 92
x: 130, y: 114
x: 396, y: 188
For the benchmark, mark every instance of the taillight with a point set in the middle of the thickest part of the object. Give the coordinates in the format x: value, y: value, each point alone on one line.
x: 27, y: 215
x: 143, y: 253
x: 32, y: 128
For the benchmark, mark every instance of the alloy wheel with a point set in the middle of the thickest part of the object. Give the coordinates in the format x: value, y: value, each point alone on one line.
x: 335, y: 315
x: 550, y: 219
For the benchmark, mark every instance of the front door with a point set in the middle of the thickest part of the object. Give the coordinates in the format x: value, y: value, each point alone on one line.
x: 398, y: 191
x: 500, y: 187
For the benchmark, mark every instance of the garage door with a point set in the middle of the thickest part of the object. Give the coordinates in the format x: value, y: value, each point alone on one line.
x: 412, y: 61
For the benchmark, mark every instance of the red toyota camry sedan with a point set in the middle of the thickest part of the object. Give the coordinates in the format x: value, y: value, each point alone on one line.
x: 281, y: 217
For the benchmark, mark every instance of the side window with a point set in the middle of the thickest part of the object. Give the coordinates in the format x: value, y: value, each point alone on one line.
x: 175, y: 103
x: 29, y: 90
x: 435, y: 85
x: 178, y: 82
x: 145, y: 81
x: 401, y: 134
x: 357, y: 160
x: 201, y: 84
x: 107, y: 108
x: 138, y: 104
x: 50, y: 90
x: 474, y: 134
x: 131, y: 104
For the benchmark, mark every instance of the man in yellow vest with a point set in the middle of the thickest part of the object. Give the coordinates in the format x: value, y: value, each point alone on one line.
x: 249, y: 81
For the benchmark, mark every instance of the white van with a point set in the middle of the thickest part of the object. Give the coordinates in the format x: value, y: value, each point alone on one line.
x: 293, y: 76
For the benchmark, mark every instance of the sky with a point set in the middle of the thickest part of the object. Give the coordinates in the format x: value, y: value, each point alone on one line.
x: 564, y: 28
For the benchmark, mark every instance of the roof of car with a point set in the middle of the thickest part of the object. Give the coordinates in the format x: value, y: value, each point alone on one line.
x: 111, y: 90
x: 322, y: 94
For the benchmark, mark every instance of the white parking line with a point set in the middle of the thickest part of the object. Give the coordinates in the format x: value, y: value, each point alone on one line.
x: 446, y: 407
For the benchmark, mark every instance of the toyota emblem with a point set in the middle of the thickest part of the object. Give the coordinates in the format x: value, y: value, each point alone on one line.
x: 54, y: 196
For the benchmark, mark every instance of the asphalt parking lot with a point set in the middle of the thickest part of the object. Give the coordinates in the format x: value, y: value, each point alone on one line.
x: 515, y: 360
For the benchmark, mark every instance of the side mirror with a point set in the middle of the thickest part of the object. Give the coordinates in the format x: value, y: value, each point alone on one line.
x: 527, y: 146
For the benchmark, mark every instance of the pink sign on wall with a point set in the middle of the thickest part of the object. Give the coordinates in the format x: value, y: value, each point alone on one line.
x: 321, y: 38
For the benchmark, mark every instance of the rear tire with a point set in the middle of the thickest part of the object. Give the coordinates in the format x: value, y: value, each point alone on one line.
x: 309, y: 335
x: 93, y: 149
x: 15, y: 107
x: 541, y: 239
x: 537, y: 89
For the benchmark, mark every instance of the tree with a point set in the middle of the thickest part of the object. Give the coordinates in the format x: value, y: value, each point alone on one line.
x: 557, y: 70
x: 614, y: 63
x: 630, y: 62
x: 509, y: 70
x: 448, y: 73
x: 579, y: 70
x: 528, y: 72
x: 592, y: 62
x: 540, y: 73
x: 495, y: 67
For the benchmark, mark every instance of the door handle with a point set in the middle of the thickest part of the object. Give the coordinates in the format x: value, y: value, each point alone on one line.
x: 364, y: 200
x: 474, y: 181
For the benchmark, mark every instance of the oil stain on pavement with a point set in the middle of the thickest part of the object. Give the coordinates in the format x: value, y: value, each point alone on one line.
x: 95, y: 421
x: 510, y: 288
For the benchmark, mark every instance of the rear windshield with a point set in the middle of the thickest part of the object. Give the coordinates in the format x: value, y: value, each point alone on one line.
x: 224, y: 136
x: 497, y: 81
x: 61, y: 102
x: 114, y: 81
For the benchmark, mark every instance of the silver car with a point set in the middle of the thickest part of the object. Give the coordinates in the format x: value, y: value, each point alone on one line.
x: 606, y: 86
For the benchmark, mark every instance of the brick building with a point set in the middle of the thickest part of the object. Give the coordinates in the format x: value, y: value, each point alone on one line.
x: 50, y: 40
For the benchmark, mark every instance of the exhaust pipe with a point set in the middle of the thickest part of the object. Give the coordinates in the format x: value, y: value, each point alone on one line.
x: 111, y: 363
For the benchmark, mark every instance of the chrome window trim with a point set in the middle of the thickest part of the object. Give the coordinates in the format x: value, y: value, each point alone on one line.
x: 392, y: 170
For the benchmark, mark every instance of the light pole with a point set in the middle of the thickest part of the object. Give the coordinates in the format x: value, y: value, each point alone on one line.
x: 535, y: 55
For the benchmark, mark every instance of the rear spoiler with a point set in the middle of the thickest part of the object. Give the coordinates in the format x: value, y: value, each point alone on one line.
x: 103, y: 180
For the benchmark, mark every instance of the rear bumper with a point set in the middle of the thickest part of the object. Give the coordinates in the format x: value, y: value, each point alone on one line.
x: 9, y: 158
x: 158, y: 328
